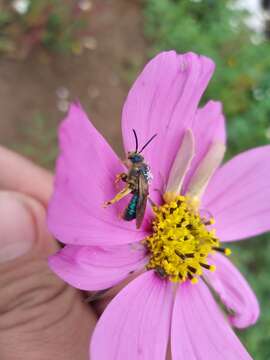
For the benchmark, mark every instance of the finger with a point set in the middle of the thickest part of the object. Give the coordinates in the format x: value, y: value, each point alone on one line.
x: 40, y: 316
x: 21, y: 175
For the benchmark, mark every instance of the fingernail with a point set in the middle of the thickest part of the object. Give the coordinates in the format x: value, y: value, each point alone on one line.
x: 17, y: 232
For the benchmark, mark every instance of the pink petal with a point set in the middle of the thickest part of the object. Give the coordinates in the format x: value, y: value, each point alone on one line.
x: 95, y: 268
x: 199, y: 329
x: 85, y: 175
x: 238, y: 196
x: 136, y: 324
x: 164, y: 100
x: 208, y: 127
x: 234, y: 292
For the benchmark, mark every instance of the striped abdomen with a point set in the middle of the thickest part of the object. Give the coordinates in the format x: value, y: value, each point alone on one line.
x: 130, y: 212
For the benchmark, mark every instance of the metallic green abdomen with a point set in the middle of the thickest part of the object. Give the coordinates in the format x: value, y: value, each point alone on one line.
x: 130, y: 212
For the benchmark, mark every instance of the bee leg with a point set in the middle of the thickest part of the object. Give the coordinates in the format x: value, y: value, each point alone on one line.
x: 120, y: 177
x: 118, y: 196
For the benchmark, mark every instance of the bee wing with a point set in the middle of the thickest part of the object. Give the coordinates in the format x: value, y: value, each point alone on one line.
x: 141, y: 204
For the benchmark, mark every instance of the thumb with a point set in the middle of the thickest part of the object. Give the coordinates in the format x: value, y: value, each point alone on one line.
x: 22, y: 227
x: 40, y: 316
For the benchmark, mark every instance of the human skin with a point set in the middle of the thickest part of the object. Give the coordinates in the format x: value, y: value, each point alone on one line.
x: 41, y: 317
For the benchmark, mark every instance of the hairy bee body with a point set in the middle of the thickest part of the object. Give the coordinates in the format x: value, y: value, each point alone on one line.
x: 137, y: 183
x: 138, y: 179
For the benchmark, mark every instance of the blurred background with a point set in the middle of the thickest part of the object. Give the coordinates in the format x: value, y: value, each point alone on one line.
x: 55, y: 51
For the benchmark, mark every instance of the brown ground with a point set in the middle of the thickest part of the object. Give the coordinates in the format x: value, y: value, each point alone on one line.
x: 99, y: 78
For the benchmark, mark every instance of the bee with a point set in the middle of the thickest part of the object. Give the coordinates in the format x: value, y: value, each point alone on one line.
x: 137, y: 183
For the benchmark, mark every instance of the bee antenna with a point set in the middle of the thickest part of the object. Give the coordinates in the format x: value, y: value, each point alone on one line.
x: 148, y: 142
x: 136, y: 140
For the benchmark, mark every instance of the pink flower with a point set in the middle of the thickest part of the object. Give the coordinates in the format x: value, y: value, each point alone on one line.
x: 161, y: 305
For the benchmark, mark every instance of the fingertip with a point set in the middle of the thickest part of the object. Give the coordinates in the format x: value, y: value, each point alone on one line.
x: 23, y: 228
x: 17, y: 233
x: 22, y: 175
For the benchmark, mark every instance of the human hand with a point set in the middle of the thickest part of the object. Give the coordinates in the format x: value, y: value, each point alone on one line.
x: 41, y: 317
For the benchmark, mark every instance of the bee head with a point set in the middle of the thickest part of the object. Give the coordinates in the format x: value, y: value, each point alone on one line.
x: 135, y: 157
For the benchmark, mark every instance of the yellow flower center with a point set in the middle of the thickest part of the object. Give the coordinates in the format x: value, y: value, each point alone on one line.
x: 181, y: 241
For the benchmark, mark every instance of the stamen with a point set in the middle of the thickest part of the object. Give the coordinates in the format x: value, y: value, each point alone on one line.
x: 208, y: 267
x: 225, y: 251
x: 180, y: 255
x: 181, y: 242
x: 190, y: 277
x: 192, y: 269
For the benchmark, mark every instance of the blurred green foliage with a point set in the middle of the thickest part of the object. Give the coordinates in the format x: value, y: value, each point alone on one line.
x: 54, y: 25
x: 242, y: 83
